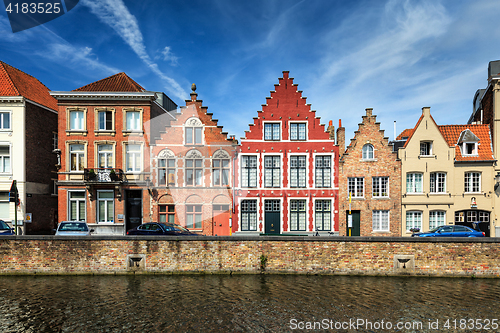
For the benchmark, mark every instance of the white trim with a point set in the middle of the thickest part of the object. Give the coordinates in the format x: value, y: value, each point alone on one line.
x: 308, y: 172
x: 332, y: 170
x: 289, y: 210
x: 290, y: 122
x: 281, y: 155
x: 272, y: 122
x: 332, y: 212
x: 264, y: 212
x: 240, y: 166
x: 259, y: 204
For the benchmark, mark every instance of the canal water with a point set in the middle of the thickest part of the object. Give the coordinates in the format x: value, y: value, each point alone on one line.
x: 247, y: 303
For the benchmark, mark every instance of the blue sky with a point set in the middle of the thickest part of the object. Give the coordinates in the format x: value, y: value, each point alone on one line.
x: 393, y: 56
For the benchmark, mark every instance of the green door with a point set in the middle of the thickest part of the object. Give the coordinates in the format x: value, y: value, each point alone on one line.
x: 272, y: 216
x: 355, y: 230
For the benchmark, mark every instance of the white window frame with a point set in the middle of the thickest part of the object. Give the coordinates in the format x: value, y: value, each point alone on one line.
x: 323, y: 212
x: 197, y: 181
x: 297, y: 130
x: 437, y: 218
x: 379, y: 184
x: 3, y: 114
x: 355, y: 183
x: 79, y: 153
x: 412, y: 182
x: 5, y: 158
x: 250, y: 214
x: 5, y: 206
x: 245, y: 183
x: 77, y: 200
x: 299, y: 213
x: 106, y: 154
x: 273, y: 170
x: 368, y: 152
x: 194, y: 213
x: 105, y: 111
x: 331, y: 169
x: 106, y: 201
x: 131, y: 156
x: 469, y: 181
x: 167, y: 170
x: 474, y: 150
x: 194, y: 125
x: 381, y: 221
x: 425, y: 148
x: 437, y: 178
x: 413, y: 220
x: 273, y: 125
x: 297, y: 171
x: 221, y: 169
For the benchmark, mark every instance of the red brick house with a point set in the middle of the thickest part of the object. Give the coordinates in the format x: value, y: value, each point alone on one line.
x: 370, y: 176
x: 104, y: 176
x: 286, y: 174
x: 28, y: 134
x: 192, y: 163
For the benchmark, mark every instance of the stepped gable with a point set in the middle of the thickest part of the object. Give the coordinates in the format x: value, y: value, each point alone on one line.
x: 369, y: 118
x: 287, y: 103
x: 14, y: 82
x: 120, y: 82
x: 451, y: 133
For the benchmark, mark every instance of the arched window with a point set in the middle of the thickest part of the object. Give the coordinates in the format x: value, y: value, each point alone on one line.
x: 368, y: 152
x: 193, y: 132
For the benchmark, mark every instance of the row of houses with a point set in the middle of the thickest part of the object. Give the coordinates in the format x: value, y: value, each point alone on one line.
x: 116, y: 155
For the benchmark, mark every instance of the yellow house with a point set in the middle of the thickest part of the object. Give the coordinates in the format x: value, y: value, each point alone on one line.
x: 447, y: 176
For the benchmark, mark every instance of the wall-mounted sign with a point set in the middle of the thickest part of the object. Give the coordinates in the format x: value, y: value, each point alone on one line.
x: 28, y: 217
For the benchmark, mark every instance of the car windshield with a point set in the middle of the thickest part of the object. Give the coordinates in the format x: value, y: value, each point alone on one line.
x: 4, y: 226
x: 435, y: 229
x: 73, y: 226
x: 181, y: 228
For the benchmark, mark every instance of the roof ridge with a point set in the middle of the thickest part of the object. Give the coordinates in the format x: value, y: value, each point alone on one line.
x: 105, y: 83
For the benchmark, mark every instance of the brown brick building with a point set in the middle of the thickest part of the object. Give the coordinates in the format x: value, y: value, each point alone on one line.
x: 192, y: 167
x: 370, y: 175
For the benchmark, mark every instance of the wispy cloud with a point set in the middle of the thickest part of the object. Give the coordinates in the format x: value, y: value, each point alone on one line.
x: 167, y: 55
x: 115, y: 14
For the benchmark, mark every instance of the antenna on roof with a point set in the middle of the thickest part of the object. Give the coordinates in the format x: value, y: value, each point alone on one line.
x: 395, y: 130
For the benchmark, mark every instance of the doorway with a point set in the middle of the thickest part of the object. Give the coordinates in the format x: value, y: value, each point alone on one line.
x: 133, y: 209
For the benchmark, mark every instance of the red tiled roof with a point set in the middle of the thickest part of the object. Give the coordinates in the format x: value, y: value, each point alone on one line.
x: 14, y: 82
x: 405, y: 134
x: 451, y: 133
x: 120, y: 82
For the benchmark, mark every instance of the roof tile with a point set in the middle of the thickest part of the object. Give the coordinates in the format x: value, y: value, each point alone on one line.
x: 120, y: 82
x: 451, y: 133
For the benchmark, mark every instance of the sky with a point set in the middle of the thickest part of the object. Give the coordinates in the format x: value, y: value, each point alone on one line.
x: 393, y: 56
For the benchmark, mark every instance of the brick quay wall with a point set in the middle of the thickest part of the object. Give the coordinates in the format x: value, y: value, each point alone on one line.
x: 250, y: 255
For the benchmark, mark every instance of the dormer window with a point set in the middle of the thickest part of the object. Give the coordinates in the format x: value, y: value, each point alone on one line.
x: 425, y: 148
x: 368, y: 152
x: 468, y: 143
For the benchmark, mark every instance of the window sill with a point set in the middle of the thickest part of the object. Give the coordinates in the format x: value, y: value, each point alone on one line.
x: 76, y: 132
x: 368, y: 160
x: 381, y: 232
x: 381, y: 198
x: 125, y: 133
x: 419, y: 193
x: 103, y: 132
x: 427, y: 156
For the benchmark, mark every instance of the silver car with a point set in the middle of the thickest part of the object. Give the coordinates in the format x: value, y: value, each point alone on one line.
x: 73, y: 228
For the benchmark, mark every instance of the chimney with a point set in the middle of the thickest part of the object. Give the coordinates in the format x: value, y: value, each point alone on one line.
x: 369, y: 112
x: 341, y: 138
x: 331, y: 130
x: 426, y: 111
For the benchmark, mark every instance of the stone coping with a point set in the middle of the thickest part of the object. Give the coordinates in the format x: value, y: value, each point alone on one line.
x: 262, y: 238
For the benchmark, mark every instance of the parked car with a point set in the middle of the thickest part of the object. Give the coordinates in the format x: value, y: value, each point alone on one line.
x: 159, y: 229
x: 450, y: 231
x: 73, y: 228
x: 5, y: 229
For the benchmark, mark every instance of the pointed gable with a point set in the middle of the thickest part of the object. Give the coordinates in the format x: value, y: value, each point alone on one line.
x: 120, y: 82
x: 285, y: 105
x: 14, y: 82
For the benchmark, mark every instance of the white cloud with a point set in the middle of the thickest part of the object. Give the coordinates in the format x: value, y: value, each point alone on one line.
x: 115, y: 14
x: 169, y: 56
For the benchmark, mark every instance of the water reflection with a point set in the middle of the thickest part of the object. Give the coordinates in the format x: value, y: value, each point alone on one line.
x: 241, y: 303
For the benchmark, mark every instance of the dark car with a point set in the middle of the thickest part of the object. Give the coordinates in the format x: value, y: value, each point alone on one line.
x: 5, y: 229
x: 450, y: 231
x: 160, y: 229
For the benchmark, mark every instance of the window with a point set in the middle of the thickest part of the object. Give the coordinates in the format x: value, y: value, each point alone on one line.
x: 249, y: 171
x: 380, y: 187
x: 368, y: 152
x: 77, y: 206
x: 4, y: 120
x: 425, y: 148
x: 469, y: 148
x: 472, y: 182
x: 297, y: 171
x: 105, y: 156
x: 166, y: 213
x: 436, y: 219
x: 220, y: 172
x: 414, y: 183
x: 166, y: 171
x: 105, y: 120
x: 5, y: 159
x: 474, y: 216
x: 323, y: 171
x: 249, y: 215
x: 193, y: 135
x: 413, y: 220
x: 272, y: 132
x: 272, y: 171
x: 4, y: 205
x: 356, y: 187
x: 133, y: 158
x: 380, y: 220
x: 438, y: 182
x: 297, y: 215
x: 323, y: 213
x: 133, y: 121
x: 297, y: 131
x: 77, y: 157
x: 193, y: 216
x: 55, y: 143
x: 105, y: 206
x: 76, y: 120
x: 194, y: 172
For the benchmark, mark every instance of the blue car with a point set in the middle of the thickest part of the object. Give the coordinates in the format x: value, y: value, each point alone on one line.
x: 160, y: 229
x: 5, y: 229
x: 450, y: 231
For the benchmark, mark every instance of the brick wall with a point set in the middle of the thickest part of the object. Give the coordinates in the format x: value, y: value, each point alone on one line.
x: 305, y: 255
